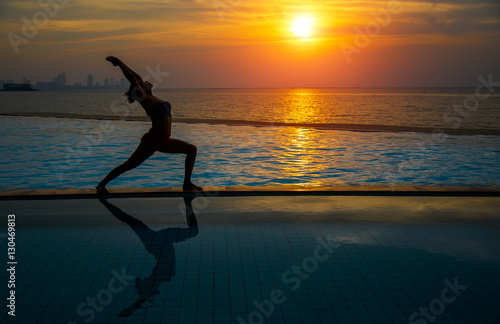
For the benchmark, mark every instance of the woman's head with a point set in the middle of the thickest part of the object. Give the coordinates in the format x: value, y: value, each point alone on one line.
x: 133, y: 93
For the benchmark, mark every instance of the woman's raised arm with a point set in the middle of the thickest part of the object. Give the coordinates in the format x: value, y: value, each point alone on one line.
x: 129, y: 74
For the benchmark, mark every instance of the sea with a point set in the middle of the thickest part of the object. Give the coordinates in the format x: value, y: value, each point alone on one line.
x: 306, y: 137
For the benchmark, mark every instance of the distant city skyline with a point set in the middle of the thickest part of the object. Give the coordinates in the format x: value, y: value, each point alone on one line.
x: 59, y: 82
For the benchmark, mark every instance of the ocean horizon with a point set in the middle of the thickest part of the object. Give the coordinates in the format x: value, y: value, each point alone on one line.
x: 410, y: 107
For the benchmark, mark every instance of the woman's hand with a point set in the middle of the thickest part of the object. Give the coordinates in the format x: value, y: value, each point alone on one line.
x: 113, y: 60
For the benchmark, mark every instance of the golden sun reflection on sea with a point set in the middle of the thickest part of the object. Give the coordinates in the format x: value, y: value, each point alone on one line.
x: 302, y: 156
x: 299, y: 106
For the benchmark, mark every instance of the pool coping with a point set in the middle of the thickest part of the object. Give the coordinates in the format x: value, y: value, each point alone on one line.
x: 238, y: 191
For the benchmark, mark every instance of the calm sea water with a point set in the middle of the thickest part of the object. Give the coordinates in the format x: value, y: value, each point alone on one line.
x: 43, y: 152
x: 420, y: 107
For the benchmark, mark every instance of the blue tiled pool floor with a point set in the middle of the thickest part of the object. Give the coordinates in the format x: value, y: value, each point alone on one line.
x: 124, y: 264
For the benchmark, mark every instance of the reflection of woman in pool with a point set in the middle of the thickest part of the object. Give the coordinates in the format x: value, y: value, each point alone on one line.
x: 161, y: 245
x: 158, y: 137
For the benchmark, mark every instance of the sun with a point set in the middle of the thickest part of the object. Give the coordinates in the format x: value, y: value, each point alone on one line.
x: 302, y: 26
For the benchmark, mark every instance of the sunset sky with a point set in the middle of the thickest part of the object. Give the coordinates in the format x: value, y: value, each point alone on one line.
x: 243, y: 43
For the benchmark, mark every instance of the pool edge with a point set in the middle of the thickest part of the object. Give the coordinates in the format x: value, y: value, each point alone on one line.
x: 235, y: 191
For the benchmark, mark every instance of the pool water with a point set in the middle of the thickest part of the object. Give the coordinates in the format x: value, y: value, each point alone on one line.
x: 59, y: 153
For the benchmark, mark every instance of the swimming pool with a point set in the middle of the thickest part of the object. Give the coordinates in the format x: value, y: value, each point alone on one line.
x: 42, y: 153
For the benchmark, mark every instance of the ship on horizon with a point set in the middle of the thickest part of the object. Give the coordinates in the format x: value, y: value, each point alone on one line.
x: 18, y: 87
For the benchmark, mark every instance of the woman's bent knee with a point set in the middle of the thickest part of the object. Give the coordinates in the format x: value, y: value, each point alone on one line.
x: 192, y: 150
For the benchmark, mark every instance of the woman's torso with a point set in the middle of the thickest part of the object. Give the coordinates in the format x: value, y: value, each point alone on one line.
x: 161, y: 116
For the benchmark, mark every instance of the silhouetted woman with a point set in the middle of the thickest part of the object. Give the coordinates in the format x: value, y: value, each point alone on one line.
x: 158, y: 137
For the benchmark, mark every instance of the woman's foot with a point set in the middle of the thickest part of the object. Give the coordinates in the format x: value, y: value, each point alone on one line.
x: 100, y: 189
x: 189, y: 186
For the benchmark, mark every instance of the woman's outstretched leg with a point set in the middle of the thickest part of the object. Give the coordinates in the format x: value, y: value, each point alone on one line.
x: 141, y: 154
x: 178, y: 146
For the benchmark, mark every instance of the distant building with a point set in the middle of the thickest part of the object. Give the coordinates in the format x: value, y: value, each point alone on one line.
x: 106, y: 82
x: 46, y: 85
x: 112, y: 82
x: 123, y: 84
x: 90, y: 81
x: 60, y: 80
x: 97, y: 84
